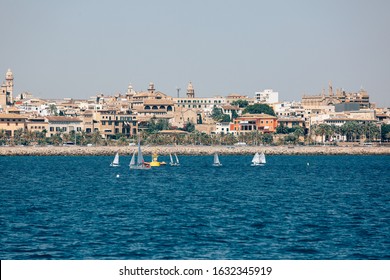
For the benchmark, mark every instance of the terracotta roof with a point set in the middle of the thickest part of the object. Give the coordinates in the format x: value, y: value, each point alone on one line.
x: 291, y: 120
x: 257, y: 116
x: 230, y: 107
x: 158, y: 102
x: 62, y: 119
x: 12, y: 116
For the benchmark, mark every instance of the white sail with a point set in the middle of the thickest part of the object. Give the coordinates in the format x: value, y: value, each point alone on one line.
x: 216, y: 160
x: 115, y: 162
x: 171, y: 159
x: 177, y: 159
x: 256, y: 159
x: 262, y: 158
x: 132, y: 161
x: 140, y: 158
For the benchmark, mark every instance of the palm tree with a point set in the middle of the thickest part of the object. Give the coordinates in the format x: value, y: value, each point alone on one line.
x: 56, y: 139
x: 370, y: 131
x: 322, y: 130
x: 3, y: 137
x: 267, y: 138
x: 387, y: 136
x: 299, y: 131
x: 96, y: 138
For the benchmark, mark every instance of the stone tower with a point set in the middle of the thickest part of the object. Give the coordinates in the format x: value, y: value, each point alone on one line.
x: 190, y: 91
x: 330, y: 91
x: 151, y: 87
x: 130, y: 92
x: 9, y: 82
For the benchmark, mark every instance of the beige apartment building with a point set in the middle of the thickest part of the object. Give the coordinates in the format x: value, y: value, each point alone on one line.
x: 111, y: 122
x: 12, y: 122
x: 38, y: 124
x: 60, y: 124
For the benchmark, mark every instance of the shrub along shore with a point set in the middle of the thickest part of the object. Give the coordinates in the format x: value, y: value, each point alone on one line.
x: 191, y: 150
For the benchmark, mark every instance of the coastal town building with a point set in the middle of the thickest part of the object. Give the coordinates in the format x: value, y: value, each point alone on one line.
x: 222, y: 128
x: 12, y: 122
x: 254, y: 122
x: 231, y: 110
x: 32, y: 106
x: 88, y: 121
x: 151, y: 104
x: 291, y: 122
x: 341, y: 96
x: 62, y: 125
x: 110, y: 122
x: 37, y: 124
x: 236, y: 97
x: 182, y: 116
x: 267, y: 96
x: 289, y: 109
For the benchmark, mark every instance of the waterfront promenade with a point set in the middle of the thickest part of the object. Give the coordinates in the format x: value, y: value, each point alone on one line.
x: 192, y: 150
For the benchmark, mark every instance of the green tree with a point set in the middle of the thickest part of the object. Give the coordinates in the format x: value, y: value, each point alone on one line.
x: 323, y: 130
x: 385, y: 130
x: 298, y: 131
x: 225, y: 118
x: 291, y: 138
x: 53, y: 110
x: 240, y: 103
x: 234, y: 115
x: 189, y: 127
x: 370, y: 131
x: 217, y: 114
x: 267, y: 139
x: 259, y: 109
x: 96, y: 138
x: 3, y: 137
x: 281, y: 129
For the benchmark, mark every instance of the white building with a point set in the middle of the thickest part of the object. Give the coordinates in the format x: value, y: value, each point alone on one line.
x: 289, y: 109
x: 267, y: 96
x: 222, y: 128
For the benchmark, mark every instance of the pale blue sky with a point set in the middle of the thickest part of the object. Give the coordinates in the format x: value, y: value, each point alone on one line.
x: 80, y: 48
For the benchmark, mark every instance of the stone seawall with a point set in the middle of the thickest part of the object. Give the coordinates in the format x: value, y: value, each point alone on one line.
x: 192, y: 150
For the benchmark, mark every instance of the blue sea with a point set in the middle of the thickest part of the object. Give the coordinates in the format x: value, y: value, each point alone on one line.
x: 294, y: 207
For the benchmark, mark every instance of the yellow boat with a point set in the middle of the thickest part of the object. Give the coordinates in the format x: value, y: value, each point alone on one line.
x: 155, y: 162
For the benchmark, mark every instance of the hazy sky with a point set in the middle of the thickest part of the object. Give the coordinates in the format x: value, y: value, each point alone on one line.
x: 80, y: 48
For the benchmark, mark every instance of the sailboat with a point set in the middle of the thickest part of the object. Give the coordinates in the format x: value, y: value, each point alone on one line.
x: 258, y: 159
x: 115, y: 162
x: 173, y: 162
x: 140, y: 164
x: 216, y: 160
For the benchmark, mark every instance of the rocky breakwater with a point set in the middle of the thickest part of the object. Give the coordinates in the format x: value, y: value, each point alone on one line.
x: 191, y: 150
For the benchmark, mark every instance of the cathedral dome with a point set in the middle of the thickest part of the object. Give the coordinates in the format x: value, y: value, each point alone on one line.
x: 9, y: 74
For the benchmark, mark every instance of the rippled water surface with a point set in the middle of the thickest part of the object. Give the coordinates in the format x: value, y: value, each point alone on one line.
x: 295, y: 207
